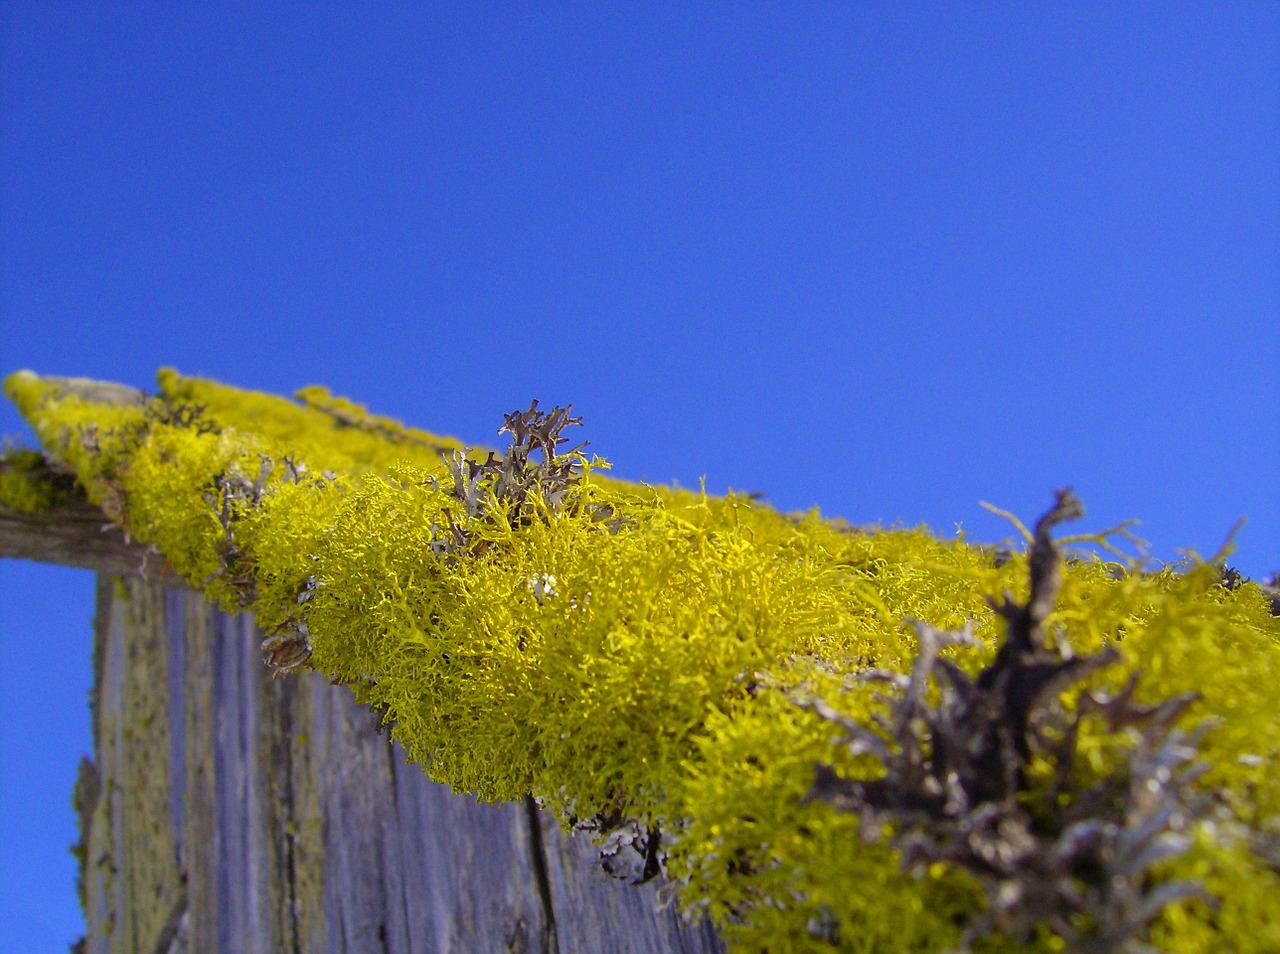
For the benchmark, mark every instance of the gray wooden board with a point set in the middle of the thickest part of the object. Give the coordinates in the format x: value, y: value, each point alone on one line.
x: 241, y: 853
x: 597, y: 914
x: 469, y: 875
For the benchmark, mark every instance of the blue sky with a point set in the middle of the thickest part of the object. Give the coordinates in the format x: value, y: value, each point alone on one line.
x: 886, y: 259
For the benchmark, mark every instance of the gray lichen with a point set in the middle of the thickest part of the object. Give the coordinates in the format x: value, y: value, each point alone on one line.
x: 1074, y: 854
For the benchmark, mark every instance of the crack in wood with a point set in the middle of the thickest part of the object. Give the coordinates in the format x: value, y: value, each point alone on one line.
x: 541, y: 872
x: 289, y: 814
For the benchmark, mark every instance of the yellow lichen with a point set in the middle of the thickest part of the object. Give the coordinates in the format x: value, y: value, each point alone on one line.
x: 26, y: 486
x: 633, y: 652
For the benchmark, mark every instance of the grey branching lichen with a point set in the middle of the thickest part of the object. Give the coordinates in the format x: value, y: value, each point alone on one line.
x: 516, y: 476
x: 1071, y: 854
x: 630, y: 850
x: 287, y: 647
x: 517, y: 483
x: 533, y: 430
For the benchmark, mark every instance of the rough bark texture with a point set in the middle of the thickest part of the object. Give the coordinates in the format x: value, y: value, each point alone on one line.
x: 229, y: 812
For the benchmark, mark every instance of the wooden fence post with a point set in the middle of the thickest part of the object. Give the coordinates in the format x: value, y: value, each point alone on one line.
x: 226, y: 811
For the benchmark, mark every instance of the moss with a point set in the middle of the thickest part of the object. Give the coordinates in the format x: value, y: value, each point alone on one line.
x: 630, y: 652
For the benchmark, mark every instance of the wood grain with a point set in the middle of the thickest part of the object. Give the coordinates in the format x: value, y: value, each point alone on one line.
x: 78, y: 534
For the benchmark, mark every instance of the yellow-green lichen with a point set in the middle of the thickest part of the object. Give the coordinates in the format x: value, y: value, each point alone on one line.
x: 26, y: 484
x: 635, y: 652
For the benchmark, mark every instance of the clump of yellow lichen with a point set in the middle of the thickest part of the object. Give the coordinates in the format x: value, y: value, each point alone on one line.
x: 633, y: 655
x: 26, y: 484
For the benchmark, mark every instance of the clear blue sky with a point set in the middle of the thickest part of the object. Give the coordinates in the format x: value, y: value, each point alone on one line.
x: 887, y: 259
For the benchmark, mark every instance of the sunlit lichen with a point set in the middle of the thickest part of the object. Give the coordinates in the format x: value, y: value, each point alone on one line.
x: 630, y: 654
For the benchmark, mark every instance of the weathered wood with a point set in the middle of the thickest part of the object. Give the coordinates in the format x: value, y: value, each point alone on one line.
x: 78, y: 534
x: 230, y: 812
x: 595, y: 912
x: 133, y: 881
